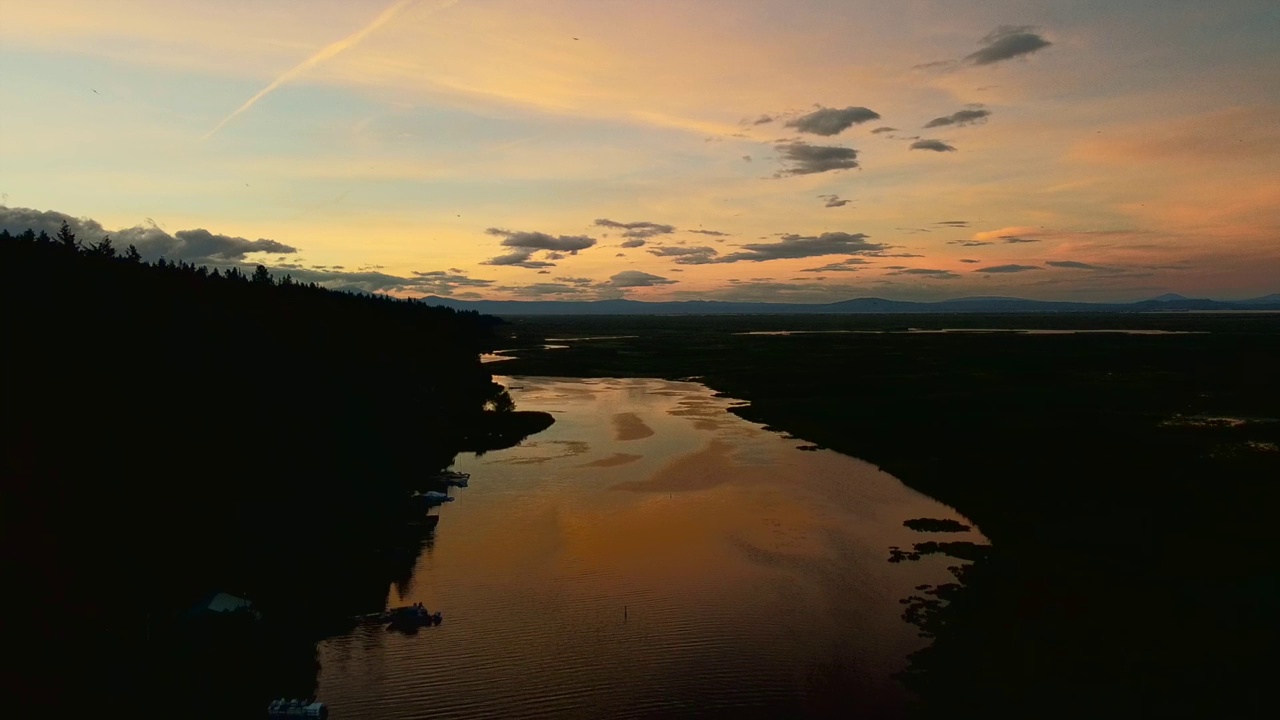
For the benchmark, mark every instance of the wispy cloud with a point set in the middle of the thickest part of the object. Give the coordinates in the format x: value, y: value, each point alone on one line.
x: 934, y: 145
x: 960, y: 118
x: 1004, y: 269
x: 328, y: 52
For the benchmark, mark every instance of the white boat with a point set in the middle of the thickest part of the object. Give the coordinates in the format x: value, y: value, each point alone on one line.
x: 431, y: 497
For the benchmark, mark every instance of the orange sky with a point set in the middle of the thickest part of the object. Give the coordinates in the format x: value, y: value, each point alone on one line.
x: 500, y: 148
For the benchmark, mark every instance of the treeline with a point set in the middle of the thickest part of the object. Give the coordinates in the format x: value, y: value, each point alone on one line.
x: 171, y: 430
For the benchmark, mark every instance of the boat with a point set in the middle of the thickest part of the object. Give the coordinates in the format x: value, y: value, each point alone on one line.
x: 410, y: 617
x: 453, y: 477
x: 431, y: 497
x: 282, y: 708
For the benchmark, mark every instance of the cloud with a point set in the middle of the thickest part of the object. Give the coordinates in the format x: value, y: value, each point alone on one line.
x: 1014, y: 239
x: 1007, y: 42
x: 960, y: 118
x: 1006, y: 269
x: 1004, y: 43
x: 832, y: 121
x: 325, y: 53
x: 713, y: 233
x: 934, y: 145
x: 926, y: 272
x: 199, y: 245
x: 847, y: 265
x: 807, y: 159
x: 519, y: 258
x: 969, y: 261
x: 970, y: 243
x: 747, y: 158
x: 637, y: 242
x: 800, y: 246
x: 687, y: 255
x: 883, y: 129
x: 635, y: 278
x: 1074, y: 265
x: 418, y: 283
x: 542, y: 241
x: 526, y: 244
x: 762, y: 120
x: 637, y: 230
x: 834, y: 201
x: 953, y: 223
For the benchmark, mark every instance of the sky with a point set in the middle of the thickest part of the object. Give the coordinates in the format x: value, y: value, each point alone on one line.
x: 764, y: 150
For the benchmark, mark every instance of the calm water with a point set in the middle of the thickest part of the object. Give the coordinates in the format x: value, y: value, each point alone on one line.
x: 650, y: 555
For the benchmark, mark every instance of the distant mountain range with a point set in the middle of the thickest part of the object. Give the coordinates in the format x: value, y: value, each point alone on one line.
x: 1164, y: 303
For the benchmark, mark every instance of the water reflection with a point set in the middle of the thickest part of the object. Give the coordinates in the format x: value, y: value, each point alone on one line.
x: 650, y: 554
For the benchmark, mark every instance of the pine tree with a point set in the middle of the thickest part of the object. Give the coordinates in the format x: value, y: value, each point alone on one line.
x: 67, y: 238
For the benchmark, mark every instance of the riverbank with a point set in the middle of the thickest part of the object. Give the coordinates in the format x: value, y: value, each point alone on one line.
x: 1130, y: 569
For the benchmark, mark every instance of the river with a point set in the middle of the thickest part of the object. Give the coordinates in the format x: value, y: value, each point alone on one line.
x: 650, y: 555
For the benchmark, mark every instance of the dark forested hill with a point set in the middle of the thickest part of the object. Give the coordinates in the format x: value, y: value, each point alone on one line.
x: 170, y: 431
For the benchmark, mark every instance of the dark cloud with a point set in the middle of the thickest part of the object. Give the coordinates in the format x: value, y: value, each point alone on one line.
x: 953, y: 223
x: 926, y: 272
x: 832, y: 121
x: 834, y: 201
x: 800, y: 246
x: 577, y: 281
x: 1014, y: 239
x: 687, y: 255
x: 960, y: 118
x: 430, y: 282
x: 519, y: 258
x: 762, y: 120
x: 934, y: 145
x: 199, y: 245
x: 635, y: 243
x: 635, y: 278
x: 528, y: 243
x: 807, y: 159
x: 713, y: 233
x: 1074, y: 265
x: 1007, y: 42
x: 969, y: 261
x: 1006, y: 269
x: 848, y: 265
x: 883, y: 129
x: 542, y: 241
x: 970, y: 243
x: 637, y: 230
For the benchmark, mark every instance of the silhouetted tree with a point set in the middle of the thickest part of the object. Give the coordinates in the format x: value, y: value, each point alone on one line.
x: 67, y: 238
x: 103, y: 248
x: 132, y: 255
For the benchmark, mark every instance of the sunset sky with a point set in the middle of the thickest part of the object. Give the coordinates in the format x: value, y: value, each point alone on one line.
x: 801, y: 150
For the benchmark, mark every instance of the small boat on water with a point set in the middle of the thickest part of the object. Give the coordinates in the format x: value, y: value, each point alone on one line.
x: 431, y: 497
x: 410, y: 617
x: 282, y: 708
x: 453, y: 477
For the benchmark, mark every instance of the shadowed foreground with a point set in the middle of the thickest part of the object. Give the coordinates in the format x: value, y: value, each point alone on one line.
x: 170, y: 432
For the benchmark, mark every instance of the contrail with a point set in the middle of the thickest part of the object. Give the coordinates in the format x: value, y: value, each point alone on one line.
x: 326, y: 53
